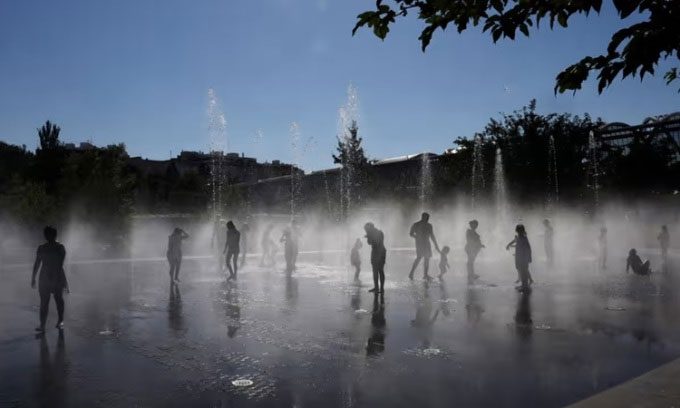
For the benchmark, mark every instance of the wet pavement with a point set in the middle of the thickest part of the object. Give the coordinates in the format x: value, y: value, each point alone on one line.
x: 317, y: 338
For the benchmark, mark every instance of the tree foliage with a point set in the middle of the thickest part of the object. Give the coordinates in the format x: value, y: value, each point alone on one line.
x: 634, y: 50
x: 48, y: 135
x: 56, y: 183
x: 642, y: 167
x: 350, y: 151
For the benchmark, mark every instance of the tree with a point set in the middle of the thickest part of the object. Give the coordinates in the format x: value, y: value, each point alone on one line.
x: 50, y: 156
x: 49, y: 136
x: 354, y: 163
x: 350, y: 151
x: 524, y: 139
x: 632, y: 51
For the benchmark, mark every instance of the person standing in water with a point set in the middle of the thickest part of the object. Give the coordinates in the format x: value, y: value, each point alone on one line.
x: 376, y: 239
x: 290, y: 248
x: 422, y: 232
x: 522, y: 256
x: 664, y: 240
x: 245, y: 229
x: 602, y: 244
x: 49, y: 259
x: 473, y: 244
x: 267, y: 244
x: 548, y: 242
x: 355, y: 258
x: 174, y: 253
x: 231, y: 248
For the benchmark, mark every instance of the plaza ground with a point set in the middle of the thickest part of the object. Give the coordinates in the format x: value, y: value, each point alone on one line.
x: 317, y: 338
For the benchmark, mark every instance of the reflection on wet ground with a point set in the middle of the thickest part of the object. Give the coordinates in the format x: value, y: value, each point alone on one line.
x: 317, y: 338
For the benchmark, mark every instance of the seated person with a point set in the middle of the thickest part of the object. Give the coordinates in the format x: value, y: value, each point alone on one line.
x: 634, y: 262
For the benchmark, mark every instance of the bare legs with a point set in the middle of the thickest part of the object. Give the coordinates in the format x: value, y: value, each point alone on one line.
x: 232, y: 261
x: 426, y: 266
x: 175, y: 265
x: 45, y: 305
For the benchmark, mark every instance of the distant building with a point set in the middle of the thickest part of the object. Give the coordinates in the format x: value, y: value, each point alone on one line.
x: 232, y: 167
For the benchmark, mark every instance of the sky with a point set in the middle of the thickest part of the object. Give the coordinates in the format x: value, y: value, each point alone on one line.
x: 138, y: 72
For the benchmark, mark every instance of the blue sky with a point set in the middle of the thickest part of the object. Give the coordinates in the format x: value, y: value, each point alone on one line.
x: 138, y: 72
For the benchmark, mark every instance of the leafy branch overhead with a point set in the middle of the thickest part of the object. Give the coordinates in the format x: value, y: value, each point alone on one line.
x: 632, y: 51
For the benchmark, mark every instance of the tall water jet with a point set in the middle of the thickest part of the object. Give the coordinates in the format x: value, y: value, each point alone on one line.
x: 347, y: 121
x: 500, y: 189
x: 594, y: 171
x: 295, y: 176
x: 553, y: 184
x: 425, y: 181
x: 477, y: 169
x: 217, y: 131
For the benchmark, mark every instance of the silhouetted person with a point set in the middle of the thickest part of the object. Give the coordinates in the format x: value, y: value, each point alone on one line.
x: 422, y: 232
x: 376, y: 342
x: 174, y: 252
x: 602, y: 247
x: 49, y: 259
x: 245, y: 231
x: 522, y: 256
x: 355, y: 258
x: 635, y: 263
x: 290, y: 248
x: 444, y: 261
x: 232, y: 248
x: 268, y: 247
x: 376, y: 239
x: 664, y: 240
x: 473, y: 244
x: 548, y: 241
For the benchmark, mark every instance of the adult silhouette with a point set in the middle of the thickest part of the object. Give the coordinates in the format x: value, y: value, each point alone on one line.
x: 473, y: 244
x: 376, y: 239
x: 174, y: 252
x: 49, y: 260
x: 231, y: 248
x: 423, y: 232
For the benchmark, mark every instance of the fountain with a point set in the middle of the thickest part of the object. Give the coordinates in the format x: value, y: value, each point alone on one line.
x: 425, y: 181
x: 347, y: 119
x: 500, y: 189
x: 217, y: 125
x: 553, y: 185
x: 477, y: 169
x: 593, y: 168
x: 328, y: 194
x: 295, y: 176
